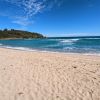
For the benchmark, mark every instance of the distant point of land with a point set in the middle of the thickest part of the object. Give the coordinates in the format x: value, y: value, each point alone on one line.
x: 18, y: 34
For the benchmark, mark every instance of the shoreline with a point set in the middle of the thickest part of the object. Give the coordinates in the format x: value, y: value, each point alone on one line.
x: 47, y: 51
x: 69, y: 46
x: 11, y: 38
x: 20, y: 38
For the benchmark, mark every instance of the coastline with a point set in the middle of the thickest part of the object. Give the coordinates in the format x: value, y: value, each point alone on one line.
x: 50, y: 76
x: 10, y: 38
x: 68, y: 45
x: 47, y: 51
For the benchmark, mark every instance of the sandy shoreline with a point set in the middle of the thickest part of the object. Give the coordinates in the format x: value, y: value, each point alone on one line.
x: 48, y: 76
x: 46, y: 51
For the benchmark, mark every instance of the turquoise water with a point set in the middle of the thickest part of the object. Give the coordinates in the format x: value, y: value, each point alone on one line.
x: 69, y: 45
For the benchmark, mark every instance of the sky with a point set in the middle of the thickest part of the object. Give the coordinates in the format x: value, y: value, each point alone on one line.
x: 52, y: 17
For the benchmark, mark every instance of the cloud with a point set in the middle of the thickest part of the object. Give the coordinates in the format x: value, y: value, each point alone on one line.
x: 31, y: 8
x: 23, y: 21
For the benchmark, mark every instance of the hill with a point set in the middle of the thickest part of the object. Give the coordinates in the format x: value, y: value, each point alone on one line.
x: 14, y: 34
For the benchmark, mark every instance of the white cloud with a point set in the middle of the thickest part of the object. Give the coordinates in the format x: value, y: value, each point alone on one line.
x: 31, y: 8
x: 23, y: 21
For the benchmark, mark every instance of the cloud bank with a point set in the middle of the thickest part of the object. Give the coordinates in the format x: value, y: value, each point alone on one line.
x: 31, y: 8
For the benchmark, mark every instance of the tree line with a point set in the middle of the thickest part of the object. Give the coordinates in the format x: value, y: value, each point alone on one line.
x: 12, y: 33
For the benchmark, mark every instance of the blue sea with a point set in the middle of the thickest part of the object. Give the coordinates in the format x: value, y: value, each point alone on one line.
x: 62, y: 44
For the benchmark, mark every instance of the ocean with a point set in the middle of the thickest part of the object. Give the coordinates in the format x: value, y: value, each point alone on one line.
x: 86, y: 45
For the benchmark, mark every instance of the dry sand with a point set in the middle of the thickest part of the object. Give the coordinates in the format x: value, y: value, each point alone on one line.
x: 48, y: 76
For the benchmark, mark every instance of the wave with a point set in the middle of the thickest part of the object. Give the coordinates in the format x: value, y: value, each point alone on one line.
x: 18, y: 48
x: 92, y: 38
x: 68, y: 48
x: 52, y: 45
x: 69, y: 40
x: 1, y: 44
x: 73, y: 45
x: 71, y: 50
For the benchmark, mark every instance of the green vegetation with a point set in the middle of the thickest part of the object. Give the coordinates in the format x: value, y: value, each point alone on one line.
x: 14, y: 34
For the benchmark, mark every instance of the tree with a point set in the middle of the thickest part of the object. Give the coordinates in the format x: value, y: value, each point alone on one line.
x: 12, y: 29
x: 5, y: 29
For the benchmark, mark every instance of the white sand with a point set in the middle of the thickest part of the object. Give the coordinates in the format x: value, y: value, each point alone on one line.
x: 48, y: 76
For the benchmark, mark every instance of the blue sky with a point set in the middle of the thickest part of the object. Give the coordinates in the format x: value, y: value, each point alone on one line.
x: 52, y: 17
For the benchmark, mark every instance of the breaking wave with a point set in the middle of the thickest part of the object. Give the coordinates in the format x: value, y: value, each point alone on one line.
x: 1, y: 44
x: 69, y: 40
x: 18, y: 48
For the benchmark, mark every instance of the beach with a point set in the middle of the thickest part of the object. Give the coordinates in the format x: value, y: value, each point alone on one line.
x: 39, y: 75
